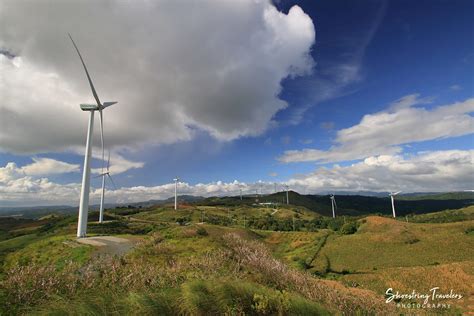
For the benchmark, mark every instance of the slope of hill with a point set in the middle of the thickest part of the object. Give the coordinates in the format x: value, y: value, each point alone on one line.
x: 386, y: 253
x: 236, y: 258
x: 174, y: 269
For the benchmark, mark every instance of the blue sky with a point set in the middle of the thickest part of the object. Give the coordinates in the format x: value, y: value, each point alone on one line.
x: 365, y: 56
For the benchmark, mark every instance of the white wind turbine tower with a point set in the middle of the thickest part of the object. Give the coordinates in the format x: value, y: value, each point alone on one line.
x: 287, y: 196
x: 176, y: 180
x: 334, y: 205
x: 104, y: 175
x: 84, y: 200
x: 392, y: 194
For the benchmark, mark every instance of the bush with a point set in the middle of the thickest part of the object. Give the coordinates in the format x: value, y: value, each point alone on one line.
x: 349, y: 228
x: 183, y: 220
x: 201, y: 231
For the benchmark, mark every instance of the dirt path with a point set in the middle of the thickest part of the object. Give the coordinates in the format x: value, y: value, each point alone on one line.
x: 108, y: 245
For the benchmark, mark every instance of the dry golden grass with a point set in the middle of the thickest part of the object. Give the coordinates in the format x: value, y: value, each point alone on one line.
x: 333, y: 295
x: 456, y: 276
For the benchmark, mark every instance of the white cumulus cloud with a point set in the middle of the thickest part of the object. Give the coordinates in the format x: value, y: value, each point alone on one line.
x: 173, y: 66
x: 48, y: 166
x: 449, y: 170
x: 435, y: 171
x: 382, y: 133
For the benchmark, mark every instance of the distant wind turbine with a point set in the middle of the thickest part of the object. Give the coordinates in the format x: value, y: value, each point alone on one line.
x: 287, y: 196
x: 334, y: 205
x: 84, y: 200
x: 392, y: 194
x: 102, y: 196
x: 176, y: 180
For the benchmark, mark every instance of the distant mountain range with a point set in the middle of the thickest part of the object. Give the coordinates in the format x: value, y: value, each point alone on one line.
x: 38, y: 211
x: 349, y: 203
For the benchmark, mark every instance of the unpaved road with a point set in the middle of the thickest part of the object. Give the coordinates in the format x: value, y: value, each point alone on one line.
x: 108, y: 245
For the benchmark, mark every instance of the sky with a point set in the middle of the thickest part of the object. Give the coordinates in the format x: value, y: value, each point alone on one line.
x: 322, y: 96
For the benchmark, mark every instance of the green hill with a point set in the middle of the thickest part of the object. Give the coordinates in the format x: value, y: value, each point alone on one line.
x: 231, y: 258
x: 358, y: 205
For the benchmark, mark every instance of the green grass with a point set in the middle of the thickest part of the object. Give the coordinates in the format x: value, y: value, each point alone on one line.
x: 243, y: 298
x: 382, y: 243
x: 296, y: 248
x: 198, y: 297
x: 237, y: 214
x: 193, y: 270
x: 55, y: 250
x: 448, y: 216
x: 14, y: 244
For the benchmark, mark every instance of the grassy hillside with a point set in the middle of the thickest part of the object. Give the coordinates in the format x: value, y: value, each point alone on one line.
x: 388, y: 253
x: 447, y: 216
x: 232, y: 259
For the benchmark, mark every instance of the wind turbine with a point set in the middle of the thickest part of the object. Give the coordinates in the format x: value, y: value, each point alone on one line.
x: 176, y: 180
x: 84, y: 200
x: 334, y: 205
x: 104, y: 175
x: 392, y: 194
x: 287, y: 197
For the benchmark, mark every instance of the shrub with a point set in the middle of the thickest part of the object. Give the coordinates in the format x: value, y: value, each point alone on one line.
x: 201, y: 231
x: 349, y: 228
x: 469, y: 231
x: 412, y: 240
x: 183, y: 220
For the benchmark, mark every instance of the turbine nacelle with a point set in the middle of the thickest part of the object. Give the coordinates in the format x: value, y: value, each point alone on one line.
x: 89, y: 107
x: 95, y: 107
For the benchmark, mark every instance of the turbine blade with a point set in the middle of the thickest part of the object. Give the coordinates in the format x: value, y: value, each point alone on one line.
x: 397, y: 192
x: 108, y: 162
x: 112, y: 181
x: 107, y: 104
x: 96, y: 97
x: 335, y: 205
x: 99, y: 175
